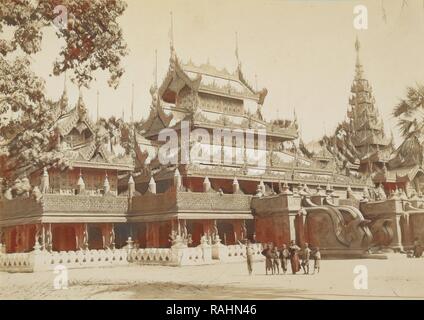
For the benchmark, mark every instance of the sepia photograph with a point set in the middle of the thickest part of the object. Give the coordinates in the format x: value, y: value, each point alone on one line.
x: 211, y: 150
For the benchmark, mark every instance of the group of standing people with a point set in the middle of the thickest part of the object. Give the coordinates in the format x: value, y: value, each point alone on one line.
x: 274, y: 257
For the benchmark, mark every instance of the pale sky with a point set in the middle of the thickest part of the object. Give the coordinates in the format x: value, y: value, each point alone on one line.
x: 302, y: 52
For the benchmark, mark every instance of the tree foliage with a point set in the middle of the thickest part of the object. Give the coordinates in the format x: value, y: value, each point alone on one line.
x: 92, y: 40
x: 410, y: 114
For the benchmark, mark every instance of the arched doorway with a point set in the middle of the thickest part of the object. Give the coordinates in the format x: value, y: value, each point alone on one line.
x: 122, y: 232
x: 196, y: 230
x: 95, y: 237
x: 164, y: 232
x: 226, y: 232
x: 12, y: 246
x: 63, y: 238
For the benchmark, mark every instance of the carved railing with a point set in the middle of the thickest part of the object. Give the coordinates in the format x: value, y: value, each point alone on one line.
x: 19, y: 207
x: 16, y: 262
x: 28, y: 207
x: 149, y: 202
x: 44, y: 260
x: 237, y: 252
x: 284, y: 172
x: 154, y: 256
x: 84, y: 203
x: 38, y: 260
x: 213, y: 201
x: 188, y: 201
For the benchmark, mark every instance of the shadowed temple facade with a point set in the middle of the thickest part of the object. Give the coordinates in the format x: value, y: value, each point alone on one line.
x: 206, y: 168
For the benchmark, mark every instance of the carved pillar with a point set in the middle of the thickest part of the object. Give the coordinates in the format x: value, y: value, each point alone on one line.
x: 243, y: 230
x: 397, y: 234
x: 1, y: 189
x: 302, y: 227
x: 49, y: 238
x: 292, y: 225
x: 85, y: 238
x: 407, y: 236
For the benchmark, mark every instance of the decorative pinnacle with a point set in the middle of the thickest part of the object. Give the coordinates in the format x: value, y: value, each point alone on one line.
x: 357, y: 45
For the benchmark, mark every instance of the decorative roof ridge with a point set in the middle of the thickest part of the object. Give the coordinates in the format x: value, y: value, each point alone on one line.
x: 209, y: 69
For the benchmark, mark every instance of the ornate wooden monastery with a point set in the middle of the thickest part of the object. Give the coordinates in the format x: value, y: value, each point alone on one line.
x: 330, y: 195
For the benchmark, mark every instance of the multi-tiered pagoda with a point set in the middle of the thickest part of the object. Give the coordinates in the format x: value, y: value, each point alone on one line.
x: 72, y: 201
x: 256, y: 183
x: 360, y: 142
x: 205, y: 197
x: 366, y: 124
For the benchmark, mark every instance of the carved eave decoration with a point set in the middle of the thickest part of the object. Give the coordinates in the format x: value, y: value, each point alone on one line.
x: 260, y: 94
x: 157, y: 120
x: 176, y: 78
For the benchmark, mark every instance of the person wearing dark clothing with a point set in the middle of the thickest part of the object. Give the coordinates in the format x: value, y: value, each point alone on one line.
x: 418, y: 250
x: 268, y: 257
x: 294, y: 257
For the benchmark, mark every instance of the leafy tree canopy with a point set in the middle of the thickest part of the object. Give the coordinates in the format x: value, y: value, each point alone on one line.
x: 92, y: 40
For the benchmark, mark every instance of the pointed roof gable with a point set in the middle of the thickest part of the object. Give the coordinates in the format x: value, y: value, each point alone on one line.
x: 209, y: 79
x: 157, y: 119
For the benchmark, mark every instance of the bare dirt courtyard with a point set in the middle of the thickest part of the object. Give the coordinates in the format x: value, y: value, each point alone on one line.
x: 394, y: 278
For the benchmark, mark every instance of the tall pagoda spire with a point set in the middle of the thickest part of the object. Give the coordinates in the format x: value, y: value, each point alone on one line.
x: 97, y: 106
x: 237, y: 51
x: 132, y: 103
x: 359, y: 71
x: 366, y: 125
x: 171, y: 32
x: 64, y: 99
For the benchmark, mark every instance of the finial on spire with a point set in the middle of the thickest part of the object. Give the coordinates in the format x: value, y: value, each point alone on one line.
x: 171, y: 32
x: 237, y: 52
x: 64, y: 98
x: 81, y: 108
x: 156, y: 68
x: 359, y: 71
x: 97, y: 116
x: 357, y: 45
x: 132, y: 103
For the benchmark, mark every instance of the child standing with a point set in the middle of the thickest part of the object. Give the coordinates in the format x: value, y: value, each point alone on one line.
x: 317, y: 260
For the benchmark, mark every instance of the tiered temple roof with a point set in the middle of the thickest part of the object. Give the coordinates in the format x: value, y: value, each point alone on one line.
x: 80, y: 143
x: 360, y: 143
x: 366, y: 124
x: 210, y: 98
